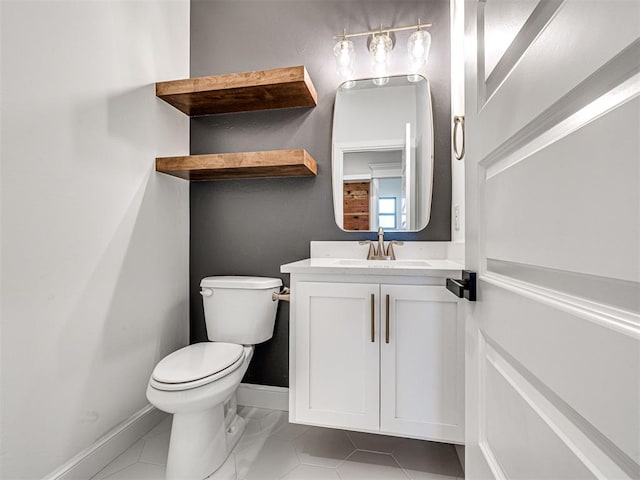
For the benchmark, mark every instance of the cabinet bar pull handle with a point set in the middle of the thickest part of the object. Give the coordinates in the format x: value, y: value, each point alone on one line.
x: 386, y: 338
x: 373, y: 299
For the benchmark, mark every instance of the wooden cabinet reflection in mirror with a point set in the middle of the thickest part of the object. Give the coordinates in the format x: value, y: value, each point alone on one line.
x: 356, y: 206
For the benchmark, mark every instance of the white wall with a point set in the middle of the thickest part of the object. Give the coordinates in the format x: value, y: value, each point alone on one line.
x: 359, y: 163
x: 372, y: 114
x: 457, y: 108
x: 94, y: 243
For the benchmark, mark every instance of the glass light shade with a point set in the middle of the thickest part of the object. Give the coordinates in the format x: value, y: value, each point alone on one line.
x: 418, y: 47
x: 345, y: 54
x: 380, y: 48
x: 380, y: 81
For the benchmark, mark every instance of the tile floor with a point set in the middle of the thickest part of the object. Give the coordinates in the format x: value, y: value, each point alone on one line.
x: 271, y: 448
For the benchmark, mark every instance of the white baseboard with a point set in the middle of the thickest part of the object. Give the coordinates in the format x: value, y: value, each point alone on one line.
x: 97, y: 456
x: 460, y: 452
x: 263, y: 396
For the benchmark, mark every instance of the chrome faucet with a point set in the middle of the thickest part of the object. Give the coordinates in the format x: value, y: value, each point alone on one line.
x: 390, y: 253
x: 379, y: 253
x: 381, y: 244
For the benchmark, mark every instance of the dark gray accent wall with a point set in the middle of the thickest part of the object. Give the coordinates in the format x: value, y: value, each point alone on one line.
x: 251, y: 227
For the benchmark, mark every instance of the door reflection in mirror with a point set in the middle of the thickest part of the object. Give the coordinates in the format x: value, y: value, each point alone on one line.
x: 383, y: 155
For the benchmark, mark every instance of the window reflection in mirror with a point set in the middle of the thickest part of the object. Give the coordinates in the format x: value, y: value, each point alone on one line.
x: 383, y: 155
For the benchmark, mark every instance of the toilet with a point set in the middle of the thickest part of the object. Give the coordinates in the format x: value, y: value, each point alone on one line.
x: 198, y: 383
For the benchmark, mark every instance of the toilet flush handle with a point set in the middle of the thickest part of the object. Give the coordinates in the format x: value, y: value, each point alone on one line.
x: 284, y: 295
x: 206, y: 292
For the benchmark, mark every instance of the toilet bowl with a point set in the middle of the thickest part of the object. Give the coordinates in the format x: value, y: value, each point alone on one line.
x: 198, y: 383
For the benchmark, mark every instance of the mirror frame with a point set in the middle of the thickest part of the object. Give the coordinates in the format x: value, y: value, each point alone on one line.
x: 339, y: 149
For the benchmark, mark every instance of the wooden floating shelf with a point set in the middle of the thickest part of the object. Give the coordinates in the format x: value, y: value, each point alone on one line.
x: 276, y: 163
x: 289, y: 87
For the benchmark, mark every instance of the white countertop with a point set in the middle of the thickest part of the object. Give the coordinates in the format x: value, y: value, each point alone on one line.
x: 428, y: 267
x: 433, y: 259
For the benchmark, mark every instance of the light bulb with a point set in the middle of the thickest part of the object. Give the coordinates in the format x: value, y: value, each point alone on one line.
x: 380, y: 48
x: 379, y: 81
x: 344, y: 52
x: 418, y: 47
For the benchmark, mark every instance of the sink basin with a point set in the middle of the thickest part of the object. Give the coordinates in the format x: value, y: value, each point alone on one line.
x: 411, y: 263
x: 351, y: 262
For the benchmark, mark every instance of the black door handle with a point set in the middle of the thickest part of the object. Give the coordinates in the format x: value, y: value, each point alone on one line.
x: 465, y: 288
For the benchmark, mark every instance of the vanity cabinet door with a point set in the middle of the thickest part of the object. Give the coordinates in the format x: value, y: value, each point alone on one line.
x: 337, y: 341
x: 422, y: 364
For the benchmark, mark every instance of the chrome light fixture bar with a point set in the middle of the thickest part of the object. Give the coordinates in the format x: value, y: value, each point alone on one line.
x: 380, y: 44
x: 417, y: 26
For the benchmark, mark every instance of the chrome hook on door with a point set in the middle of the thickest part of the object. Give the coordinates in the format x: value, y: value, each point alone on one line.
x: 458, y: 121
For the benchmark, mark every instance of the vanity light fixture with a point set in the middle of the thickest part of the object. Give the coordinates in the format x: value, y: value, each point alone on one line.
x: 418, y: 47
x: 345, y: 54
x: 380, y: 47
x: 380, y: 43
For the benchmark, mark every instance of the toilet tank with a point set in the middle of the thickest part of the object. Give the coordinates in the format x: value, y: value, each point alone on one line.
x: 239, y: 309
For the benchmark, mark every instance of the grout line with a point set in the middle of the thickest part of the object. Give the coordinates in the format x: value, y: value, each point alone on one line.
x: 263, y: 428
x: 350, y: 439
x: 235, y: 461
x: 377, y: 452
x: 297, y: 454
x: 112, y: 473
x: 291, y: 470
x: 152, y: 463
x: 401, y: 467
x: 260, y: 425
x: 346, y: 459
x: 144, y: 442
x: 120, y: 469
x: 406, y: 474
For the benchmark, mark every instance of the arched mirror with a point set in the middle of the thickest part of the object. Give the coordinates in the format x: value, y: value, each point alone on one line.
x: 382, y: 159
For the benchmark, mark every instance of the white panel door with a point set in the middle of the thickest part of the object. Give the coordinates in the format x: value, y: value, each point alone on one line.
x: 409, y: 178
x: 337, y: 339
x: 553, y: 229
x: 422, y: 363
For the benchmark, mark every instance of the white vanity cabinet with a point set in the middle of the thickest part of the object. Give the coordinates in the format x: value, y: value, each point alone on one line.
x: 422, y: 363
x: 377, y: 357
x: 337, y: 354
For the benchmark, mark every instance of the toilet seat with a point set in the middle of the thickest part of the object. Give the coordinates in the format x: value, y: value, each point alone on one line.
x: 196, y: 365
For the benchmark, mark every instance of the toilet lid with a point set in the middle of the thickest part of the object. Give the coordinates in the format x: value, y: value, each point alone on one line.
x: 197, y: 361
